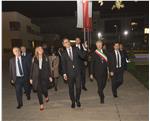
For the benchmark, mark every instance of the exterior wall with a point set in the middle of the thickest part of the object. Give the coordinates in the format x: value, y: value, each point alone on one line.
x: 23, y: 34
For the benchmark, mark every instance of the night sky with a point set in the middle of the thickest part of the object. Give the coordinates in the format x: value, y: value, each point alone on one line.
x: 51, y: 9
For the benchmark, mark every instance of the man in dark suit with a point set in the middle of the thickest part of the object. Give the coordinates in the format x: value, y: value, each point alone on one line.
x: 28, y: 58
x: 116, y: 68
x: 99, y: 65
x: 82, y: 63
x: 123, y: 50
x: 71, y: 70
x: 19, y: 74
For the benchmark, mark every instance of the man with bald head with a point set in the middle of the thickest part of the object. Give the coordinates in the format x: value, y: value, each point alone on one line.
x: 99, y: 68
x: 18, y: 68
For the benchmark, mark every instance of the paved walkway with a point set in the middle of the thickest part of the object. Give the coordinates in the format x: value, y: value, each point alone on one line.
x: 131, y: 105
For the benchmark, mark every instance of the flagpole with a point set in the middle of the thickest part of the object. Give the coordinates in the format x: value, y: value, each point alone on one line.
x: 90, y: 39
x: 88, y: 36
x: 84, y: 34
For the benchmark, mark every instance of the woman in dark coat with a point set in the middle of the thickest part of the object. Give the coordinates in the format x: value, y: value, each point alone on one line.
x: 40, y: 75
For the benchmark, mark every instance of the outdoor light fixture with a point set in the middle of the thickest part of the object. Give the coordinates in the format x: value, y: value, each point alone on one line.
x: 146, y: 30
x: 134, y: 23
x: 126, y: 33
x: 72, y: 41
x: 99, y: 35
x: 115, y: 25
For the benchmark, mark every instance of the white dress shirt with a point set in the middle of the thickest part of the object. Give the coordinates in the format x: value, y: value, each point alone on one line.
x: 23, y: 54
x: 101, y: 51
x: 40, y: 63
x: 70, y: 54
x: 117, y: 52
x: 78, y: 45
x: 17, y: 67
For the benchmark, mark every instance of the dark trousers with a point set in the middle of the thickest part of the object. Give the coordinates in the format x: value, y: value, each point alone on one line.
x: 117, y: 80
x: 40, y: 92
x: 19, y: 85
x: 83, y: 79
x: 74, y: 84
x: 29, y: 88
x: 41, y: 89
x: 55, y: 82
x: 101, y: 83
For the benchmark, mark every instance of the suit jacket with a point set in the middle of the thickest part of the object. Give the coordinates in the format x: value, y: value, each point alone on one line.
x: 82, y: 60
x: 98, y: 67
x: 46, y: 73
x: 67, y: 63
x: 112, y: 61
x: 12, y: 68
x: 28, y: 58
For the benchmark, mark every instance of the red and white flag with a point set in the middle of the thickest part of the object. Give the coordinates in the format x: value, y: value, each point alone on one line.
x: 84, y: 14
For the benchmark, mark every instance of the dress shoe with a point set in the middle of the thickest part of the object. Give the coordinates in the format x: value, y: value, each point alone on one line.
x: 115, y: 95
x: 41, y: 109
x: 84, y: 88
x: 28, y: 97
x: 55, y: 88
x: 19, y: 106
x: 73, y: 105
x: 102, y: 101
x: 78, y: 104
x: 47, y: 100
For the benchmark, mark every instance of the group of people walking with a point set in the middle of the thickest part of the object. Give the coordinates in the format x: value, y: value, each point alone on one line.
x: 39, y: 71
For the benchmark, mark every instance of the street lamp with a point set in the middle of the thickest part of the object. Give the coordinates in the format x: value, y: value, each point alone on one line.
x: 99, y: 35
x: 125, y: 32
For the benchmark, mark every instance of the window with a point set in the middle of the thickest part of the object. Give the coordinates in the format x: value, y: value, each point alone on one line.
x: 137, y: 24
x: 29, y: 29
x: 16, y: 42
x: 14, y: 26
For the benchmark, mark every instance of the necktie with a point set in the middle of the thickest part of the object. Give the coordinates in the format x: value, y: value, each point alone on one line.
x: 79, y: 47
x: 118, y: 59
x: 19, y: 66
x: 70, y: 54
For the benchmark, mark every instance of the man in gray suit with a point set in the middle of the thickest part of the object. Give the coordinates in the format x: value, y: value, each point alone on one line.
x: 19, y: 73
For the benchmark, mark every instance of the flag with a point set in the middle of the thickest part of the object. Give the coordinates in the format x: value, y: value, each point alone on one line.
x: 84, y: 14
x: 79, y: 14
x: 87, y: 14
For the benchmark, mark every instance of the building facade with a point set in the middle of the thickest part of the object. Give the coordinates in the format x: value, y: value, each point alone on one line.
x: 18, y: 30
x: 128, y: 29
x: 124, y: 28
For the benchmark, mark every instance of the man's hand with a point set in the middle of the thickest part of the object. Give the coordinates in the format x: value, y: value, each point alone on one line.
x: 12, y: 82
x: 85, y: 46
x: 50, y: 79
x: 52, y: 69
x: 91, y: 77
x: 31, y: 81
x: 111, y: 73
x: 65, y: 77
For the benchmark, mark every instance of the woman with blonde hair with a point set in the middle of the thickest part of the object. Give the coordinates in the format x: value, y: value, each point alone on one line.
x: 40, y: 75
